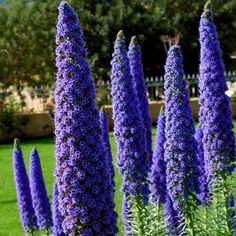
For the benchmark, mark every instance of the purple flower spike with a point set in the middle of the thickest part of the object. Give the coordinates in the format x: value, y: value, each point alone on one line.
x: 131, y: 154
x: 127, y: 216
x: 24, y: 199
x: 57, y: 217
x: 232, y: 211
x: 107, y: 145
x: 158, y: 174
x: 204, y: 168
x: 215, y: 113
x: 82, y: 175
x: 39, y: 195
x: 136, y: 69
x: 180, y: 146
x: 172, y: 219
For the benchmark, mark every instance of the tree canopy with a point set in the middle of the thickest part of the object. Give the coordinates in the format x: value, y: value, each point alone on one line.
x: 27, y: 30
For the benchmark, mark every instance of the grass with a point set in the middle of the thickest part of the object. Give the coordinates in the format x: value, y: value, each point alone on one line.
x: 10, y: 224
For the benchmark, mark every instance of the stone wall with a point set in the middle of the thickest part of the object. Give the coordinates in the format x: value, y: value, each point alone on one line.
x: 41, y: 124
x: 155, y: 108
x: 29, y: 126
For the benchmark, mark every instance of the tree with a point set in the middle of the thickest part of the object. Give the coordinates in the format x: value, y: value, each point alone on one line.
x: 27, y: 44
x: 28, y: 30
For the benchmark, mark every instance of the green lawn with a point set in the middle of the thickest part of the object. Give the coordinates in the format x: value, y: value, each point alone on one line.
x: 10, y: 224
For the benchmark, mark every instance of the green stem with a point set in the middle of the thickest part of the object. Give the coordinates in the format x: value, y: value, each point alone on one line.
x: 191, y: 225
x: 190, y: 219
x: 206, y: 217
x: 158, y: 209
x: 49, y: 231
x: 226, y: 205
x: 217, y: 215
x: 139, y: 206
x: 33, y: 233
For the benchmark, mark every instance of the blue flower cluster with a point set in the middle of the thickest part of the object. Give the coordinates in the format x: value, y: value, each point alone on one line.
x: 131, y: 153
x: 57, y: 217
x: 107, y: 146
x: 180, y: 146
x: 158, y: 173
x: 204, y: 168
x: 215, y: 113
x: 136, y: 69
x: 82, y: 176
x: 24, y: 199
x: 39, y: 195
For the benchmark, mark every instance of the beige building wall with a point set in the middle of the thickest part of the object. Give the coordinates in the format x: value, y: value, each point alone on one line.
x: 39, y: 125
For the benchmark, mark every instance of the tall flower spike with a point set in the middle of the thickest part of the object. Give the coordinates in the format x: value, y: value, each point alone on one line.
x: 132, y: 157
x: 131, y: 154
x: 57, y: 217
x: 82, y: 174
x: 24, y: 199
x: 39, y: 195
x: 136, y: 69
x: 158, y: 174
x: 215, y: 113
x: 204, y: 168
x: 180, y: 146
x: 216, y: 118
x: 107, y: 145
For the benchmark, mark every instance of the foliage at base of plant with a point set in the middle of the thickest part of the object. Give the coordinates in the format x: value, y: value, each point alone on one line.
x: 219, y: 217
x: 146, y: 219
